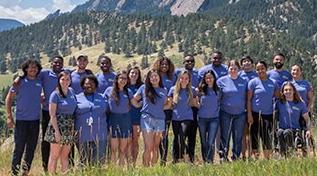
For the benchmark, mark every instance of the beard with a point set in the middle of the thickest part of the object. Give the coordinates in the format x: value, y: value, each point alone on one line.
x: 278, y: 65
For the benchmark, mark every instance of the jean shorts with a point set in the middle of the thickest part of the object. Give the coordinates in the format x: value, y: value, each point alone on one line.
x: 150, y: 124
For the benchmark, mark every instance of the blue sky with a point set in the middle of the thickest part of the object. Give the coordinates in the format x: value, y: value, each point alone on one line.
x: 31, y: 11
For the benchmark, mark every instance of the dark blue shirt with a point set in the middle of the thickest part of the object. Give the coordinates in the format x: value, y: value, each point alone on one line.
x: 65, y: 105
x: 134, y: 112
x: 105, y: 81
x: 289, y: 114
x: 232, y: 94
x: 28, y: 99
x: 91, y: 118
x: 156, y: 110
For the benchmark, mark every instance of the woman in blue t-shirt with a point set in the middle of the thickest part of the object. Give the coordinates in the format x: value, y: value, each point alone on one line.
x: 166, y: 70
x: 120, y: 125
x: 182, y: 98
x: 261, y: 94
x: 60, y: 134
x: 154, y: 99
x: 290, y: 108
x: 233, y: 91
x: 135, y: 81
x: 208, y: 115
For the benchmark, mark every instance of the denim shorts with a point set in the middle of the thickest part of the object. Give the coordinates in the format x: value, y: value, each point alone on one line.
x: 150, y: 124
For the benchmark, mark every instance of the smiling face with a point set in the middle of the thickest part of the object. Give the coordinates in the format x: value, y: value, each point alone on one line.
x: 82, y: 62
x: 288, y: 92
x: 134, y: 75
x: 184, y: 80
x: 89, y: 86
x: 296, y: 72
x: 164, y: 66
x: 105, y: 65
x: 189, y: 62
x: 261, y: 71
x: 154, y: 79
x: 216, y: 59
x: 57, y: 65
x: 209, y: 79
x: 278, y: 61
x: 32, y: 70
x: 65, y: 81
x: 247, y: 64
x: 122, y: 80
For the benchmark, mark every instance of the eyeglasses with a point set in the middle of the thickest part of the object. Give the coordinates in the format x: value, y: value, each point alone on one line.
x: 123, y: 78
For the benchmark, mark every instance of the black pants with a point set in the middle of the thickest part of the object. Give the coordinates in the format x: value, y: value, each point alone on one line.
x: 181, y: 130
x: 286, y: 139
x: 26, y: 134
x: 164, y: 143
x: 45, y: 146
x: 192, y: 136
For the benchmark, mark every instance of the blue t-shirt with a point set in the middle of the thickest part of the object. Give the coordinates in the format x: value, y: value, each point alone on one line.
x: 49, y: 80
x: 156, y: 110
x: 289, y: 114
x: 248, y: 75
x: 194, y: 74
x: 105, y: 81
x: 209, y: 105
x: 263, y: 93
x: 279, y: 76
x: 182, y: 110
x: 91, y: 118
x: 76, y: 77
x: 232, y: 94
x: 303, y: 87
x: 65, y: 105
x: 219, y: 71
x: 134, y: 112
x: 28, y: 99
x: 168, y: 83
x: 124, y: 101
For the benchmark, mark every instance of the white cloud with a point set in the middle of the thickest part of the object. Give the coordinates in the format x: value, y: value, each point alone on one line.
x: 63, y: 5
x: 27, y: 16
x: 9, y: 3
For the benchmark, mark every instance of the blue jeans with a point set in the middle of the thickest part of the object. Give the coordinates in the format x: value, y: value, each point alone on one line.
x: 26, y: 134
x: 231, y: 124
x: 208, y: 128
x: 92, y: 152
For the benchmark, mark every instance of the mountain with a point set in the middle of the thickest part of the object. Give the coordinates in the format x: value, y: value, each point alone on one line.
x: 53, y: 15
x: 174, y: 7
x: 7, y: 24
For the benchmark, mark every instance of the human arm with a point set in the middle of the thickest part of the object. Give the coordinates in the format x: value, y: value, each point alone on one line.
x: 8, y: 102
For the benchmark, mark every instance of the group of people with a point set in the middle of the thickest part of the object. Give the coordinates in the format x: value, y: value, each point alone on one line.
x: 109, y: 110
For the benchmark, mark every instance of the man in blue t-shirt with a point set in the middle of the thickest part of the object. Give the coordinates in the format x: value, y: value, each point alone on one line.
x: 216, y: 65
x: 279, y: 74
x: 79, y: 72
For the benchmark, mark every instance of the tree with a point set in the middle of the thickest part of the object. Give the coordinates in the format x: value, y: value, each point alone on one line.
x: 3, y: 66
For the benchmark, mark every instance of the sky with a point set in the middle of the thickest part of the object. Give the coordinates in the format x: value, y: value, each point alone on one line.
x: 31, y: 11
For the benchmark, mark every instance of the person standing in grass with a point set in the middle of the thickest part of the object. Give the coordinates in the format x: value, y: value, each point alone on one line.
x: 233, y: 91
x: 154, y: 99
x: 91, y: 122
x: 279, y: 74
x: 120, y: 125
x: 166, y: 70
x: 135, y: 82
x: 182, y: 98
x: 208, y: 115
x: 107, y: 76
x: 28, y: 108
x: 262, y: 92
x: 60, y: 133
x: 290, y: 108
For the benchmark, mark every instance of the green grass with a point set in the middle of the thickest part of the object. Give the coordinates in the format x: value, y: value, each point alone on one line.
x: 5, y: 80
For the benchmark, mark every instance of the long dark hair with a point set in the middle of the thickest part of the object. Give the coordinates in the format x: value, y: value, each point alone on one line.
x: 139, y: 81
x: 297, y: 97
x: 203, y: 86
x: 115, y: 90
x: 59, y: 87
x: 171, y: 67
x: 150, y: 92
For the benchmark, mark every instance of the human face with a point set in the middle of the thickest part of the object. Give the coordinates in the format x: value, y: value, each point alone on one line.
x: 134, y: 75
x: 57, y: 65
x: 278, y: 61
x: 288, y: 92
x: 64, y: 81
x: 82, y: 62
x: 233, y: 70
x: 189, y: 62
x: 261, y: 71
x: 32, y: 71
x: 247, y: 65
x: 154, y: 79
x: 89, y: 86
x: 209, y: 79
x: 122, y: 80
x: 164, y: 66
x: 216, y: 59
x: 296, y: 72
x: 184, y: 80
x: 105, y: 65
